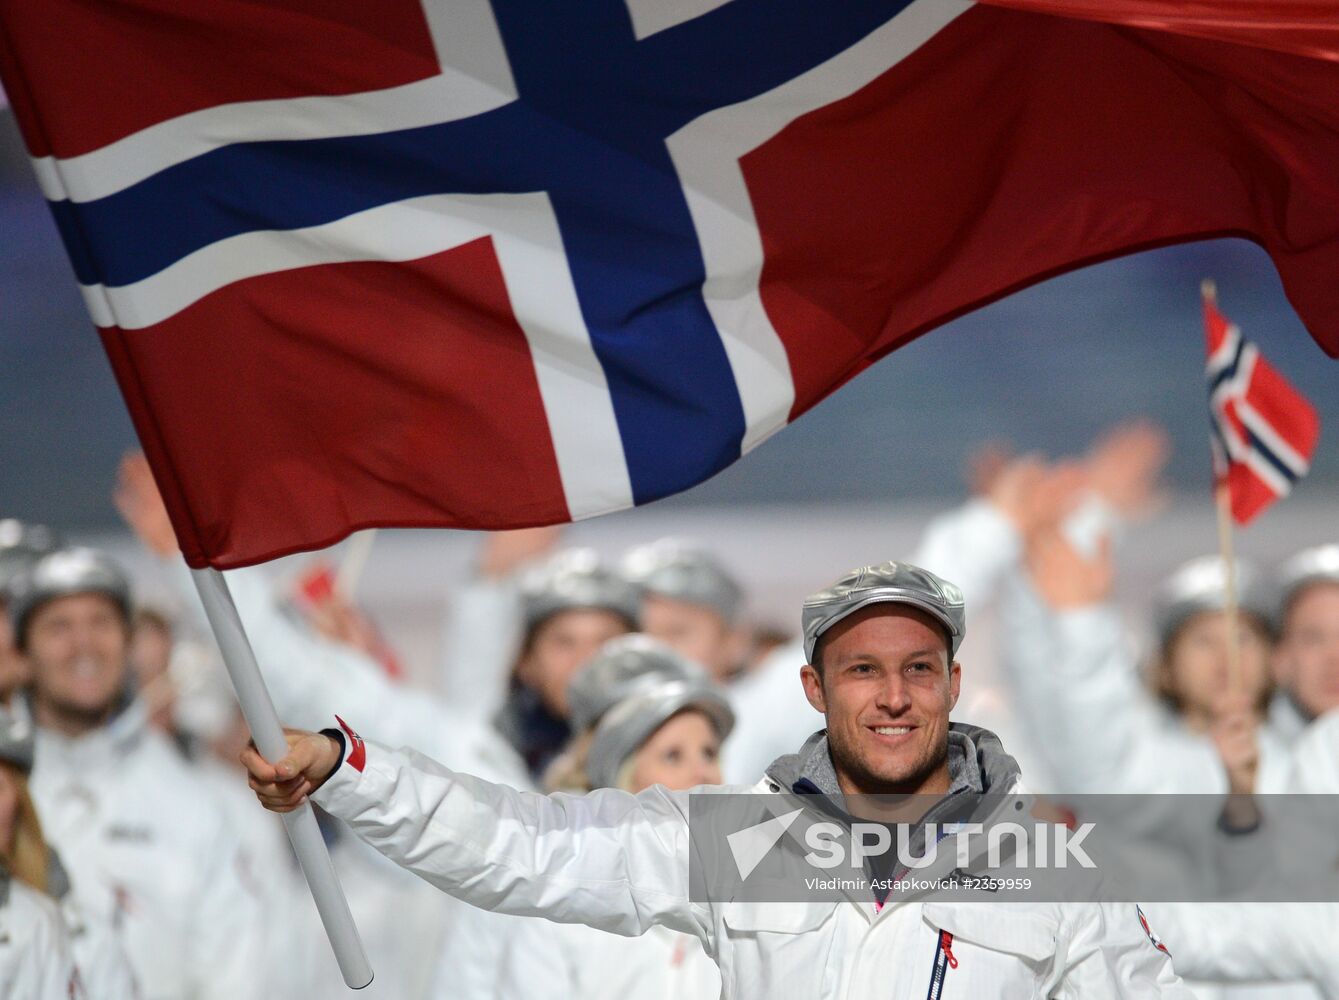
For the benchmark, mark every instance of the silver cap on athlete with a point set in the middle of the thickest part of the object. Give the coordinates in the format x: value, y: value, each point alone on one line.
x: 21, y: 545
x: 61, y: 574
x: 682, y: 571
x: 667, y: 684
x: 16, y: 740
x: 577, y: 579
x: 886, y: 583
x: 1316, y: 565
x: 1201, y: 585
x: 624, y: 666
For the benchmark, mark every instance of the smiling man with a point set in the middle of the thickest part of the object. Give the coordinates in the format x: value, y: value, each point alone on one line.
x: 881, y: 647
x: 882, y: 643
x: 150, y: 850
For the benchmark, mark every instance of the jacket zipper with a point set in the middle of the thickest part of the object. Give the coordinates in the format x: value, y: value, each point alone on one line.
x: 944, y: 960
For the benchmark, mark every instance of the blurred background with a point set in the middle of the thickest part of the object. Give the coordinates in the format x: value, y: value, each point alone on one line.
x: 853, y: 481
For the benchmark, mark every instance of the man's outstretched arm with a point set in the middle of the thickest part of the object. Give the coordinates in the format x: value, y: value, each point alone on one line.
x: 608, y: 859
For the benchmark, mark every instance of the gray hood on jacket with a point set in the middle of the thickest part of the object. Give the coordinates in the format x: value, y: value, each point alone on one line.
x: 977, y: 764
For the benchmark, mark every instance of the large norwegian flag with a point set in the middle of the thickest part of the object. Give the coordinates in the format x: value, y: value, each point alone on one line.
x: 460, y: 263
x: 1262, y: 431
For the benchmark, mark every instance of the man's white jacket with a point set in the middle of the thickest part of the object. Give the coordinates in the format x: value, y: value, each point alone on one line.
x: 35, y: 958
x: 1315, y: 765
x: 620, y: 862
x: 151, y: 853
x: 104, y: 967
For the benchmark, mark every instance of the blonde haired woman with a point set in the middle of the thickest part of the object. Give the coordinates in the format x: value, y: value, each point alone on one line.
x: 38, y: 891
x: 644, y: 716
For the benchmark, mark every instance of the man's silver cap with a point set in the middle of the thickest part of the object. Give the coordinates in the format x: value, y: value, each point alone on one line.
x: 1316, y: 565
x: 886, y: 583
x: 682, y: 571
x: 1201, y: 585
x: 61, y: 574
x: 16, y: 740
x: 625, y: 666
x: 21, y: 545
x: 575, y: 579
x: 630, y: 689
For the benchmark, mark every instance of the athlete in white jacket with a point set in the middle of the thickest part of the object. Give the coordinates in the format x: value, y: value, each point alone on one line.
x: 1108, y: 731
x: 883, y: 642
x: 94, y: 945
x: 35, y: 958
x: 655, y: 719
x: 693, y: 604
x: 149, y: 851
x: 484, y: 625
x: 1306, y: 660
x: 1298, y: 940
x: 1315, y: 769
x: 1290, y: 951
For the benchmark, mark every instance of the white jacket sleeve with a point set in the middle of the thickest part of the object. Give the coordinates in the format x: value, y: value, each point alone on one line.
x: 480, y: 640
x: 310, y: 678
x: 1078, y: 683
x: 1253, y: 942
x: 971, y: 547
x: 1111, y: 955
x: 609, y: 859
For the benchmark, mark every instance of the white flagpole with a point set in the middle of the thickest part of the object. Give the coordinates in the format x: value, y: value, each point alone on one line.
x: 1224, y: 504
x: 263, y: 721
x: 1223, y: 501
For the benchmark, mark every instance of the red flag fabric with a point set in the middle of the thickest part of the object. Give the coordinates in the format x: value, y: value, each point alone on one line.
x: 427, y: 268
x: 1303, y: 27
x: 1263, y: 432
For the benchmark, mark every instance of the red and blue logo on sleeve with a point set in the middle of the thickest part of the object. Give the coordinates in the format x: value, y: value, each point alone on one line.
x: 356, y: 756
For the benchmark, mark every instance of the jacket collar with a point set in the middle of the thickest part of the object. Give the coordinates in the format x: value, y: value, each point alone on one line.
x: 98, y: 748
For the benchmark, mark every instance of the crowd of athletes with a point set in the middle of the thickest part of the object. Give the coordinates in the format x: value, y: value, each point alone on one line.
x: 134, y: 861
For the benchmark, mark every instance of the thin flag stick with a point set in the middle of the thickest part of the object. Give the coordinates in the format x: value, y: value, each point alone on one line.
x: 355, y: 560
x: 258, y: 709
x: 1224, y: 505
x: 1223, y: 502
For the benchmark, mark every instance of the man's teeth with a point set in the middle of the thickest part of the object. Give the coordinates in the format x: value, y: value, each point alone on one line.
x: 892, y: 730
x: 85, y: 669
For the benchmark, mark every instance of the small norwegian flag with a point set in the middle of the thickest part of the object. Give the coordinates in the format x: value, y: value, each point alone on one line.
x: 1262, y: 430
